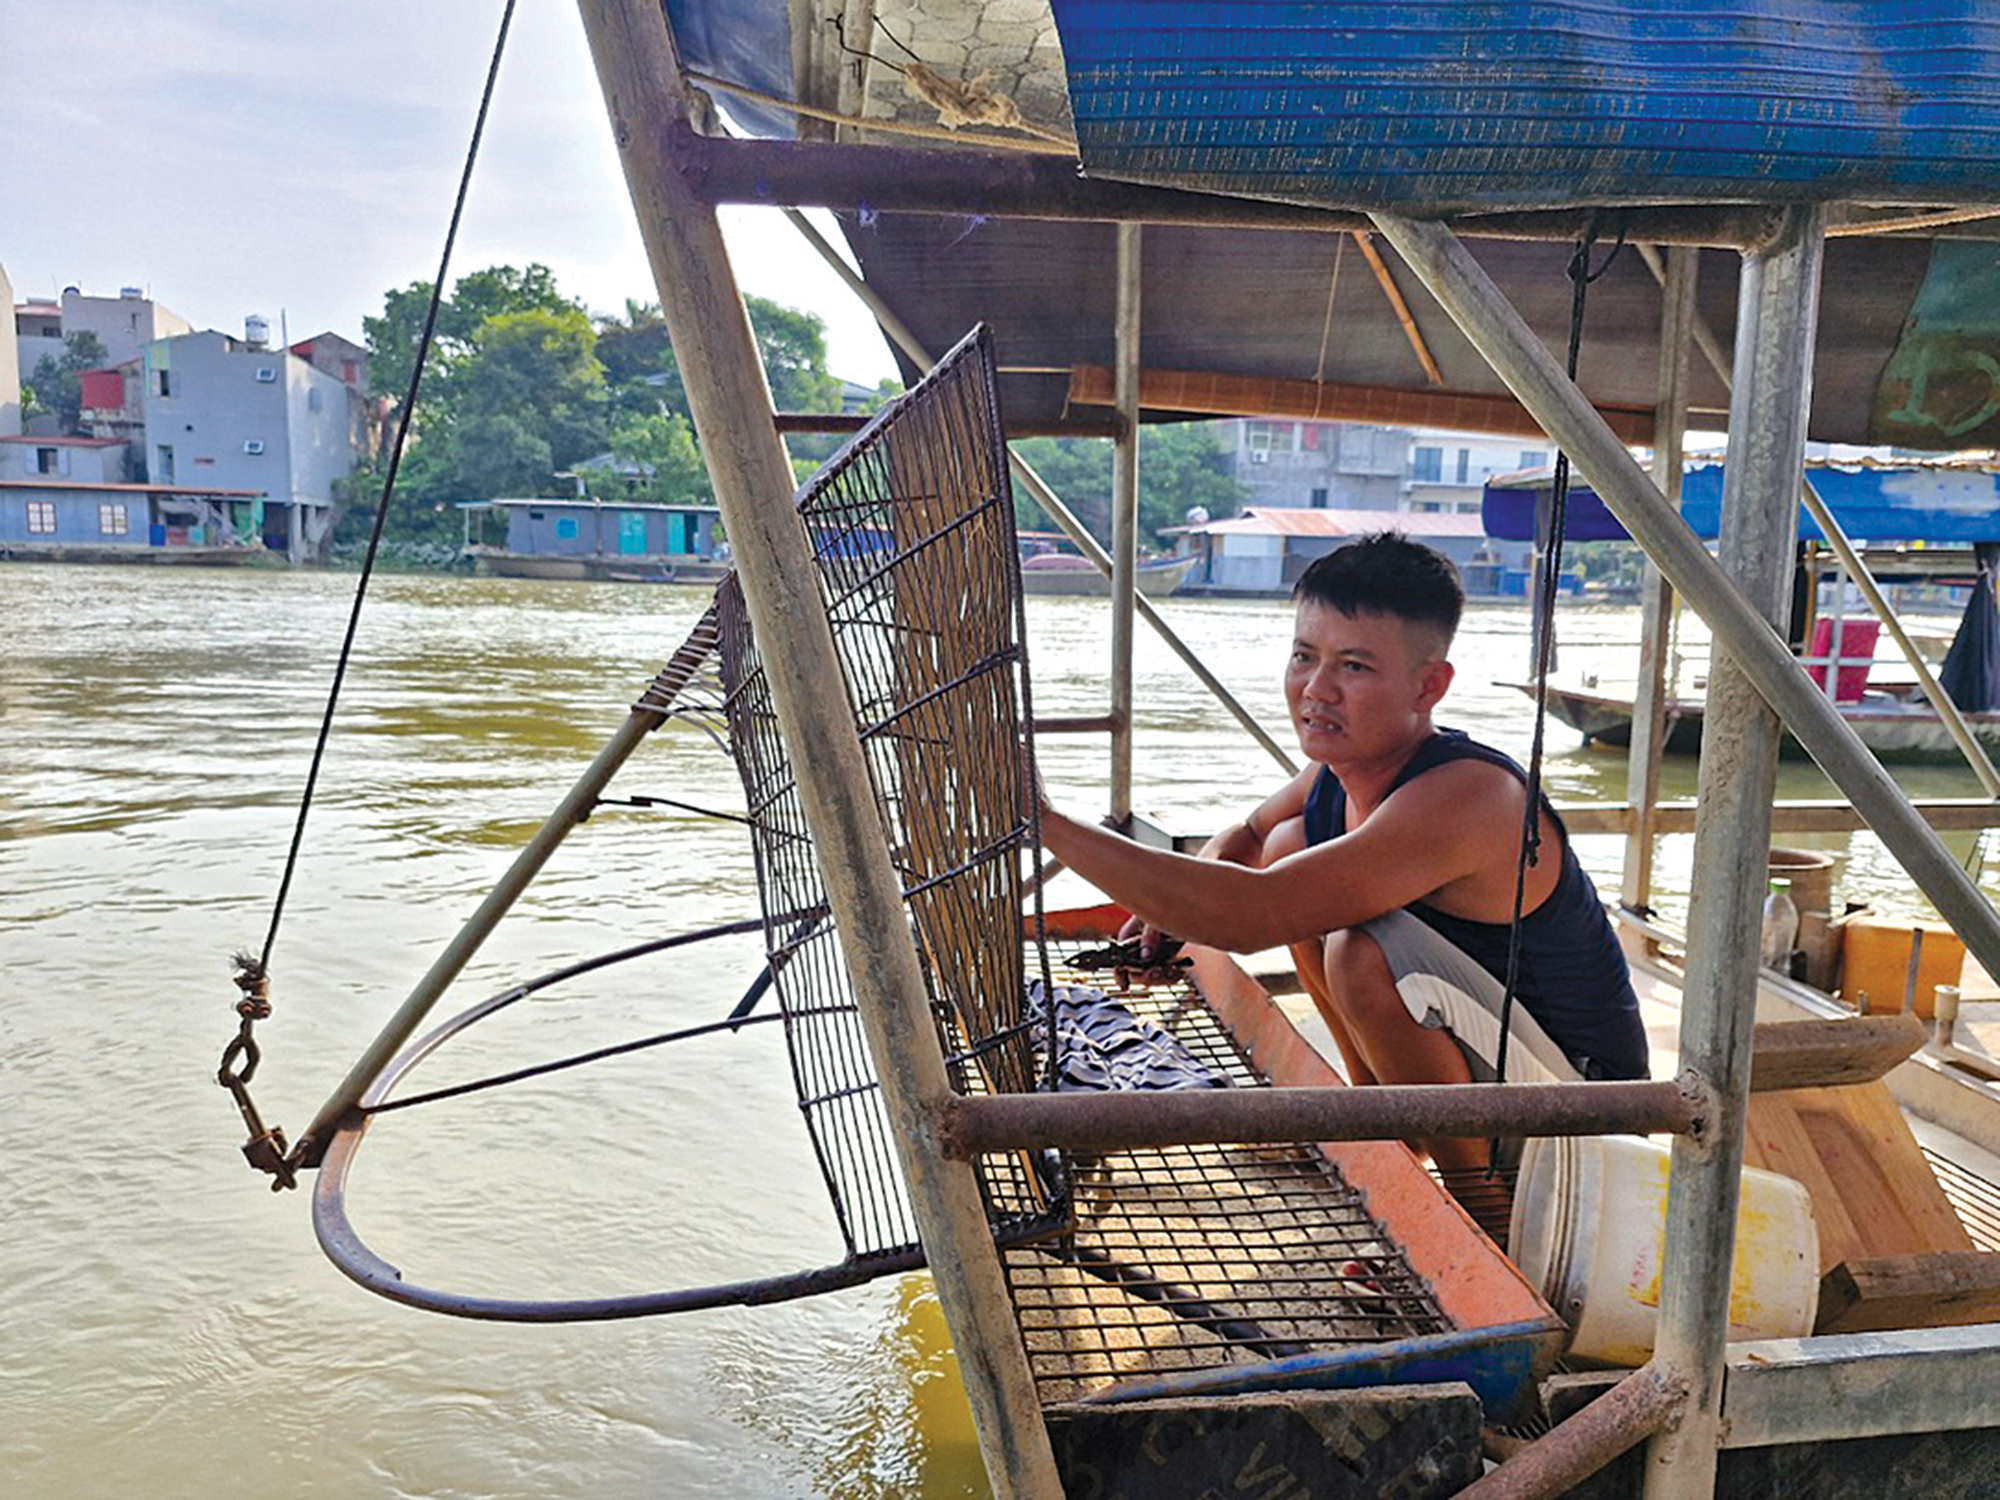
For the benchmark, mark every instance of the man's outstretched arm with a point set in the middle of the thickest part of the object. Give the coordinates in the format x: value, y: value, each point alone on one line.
x: 1426, y: 835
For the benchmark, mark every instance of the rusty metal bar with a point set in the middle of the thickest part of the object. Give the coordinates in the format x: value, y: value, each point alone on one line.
x: 1649, y: 699
x: 1187, y: 1117
x: 970, y: 181
x: 1124, y: 517
x: 843, y: 422
x: 1624, y: 1416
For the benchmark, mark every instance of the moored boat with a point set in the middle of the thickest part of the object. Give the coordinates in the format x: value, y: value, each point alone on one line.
x: 1078, y: 577
x: 1892, y: 720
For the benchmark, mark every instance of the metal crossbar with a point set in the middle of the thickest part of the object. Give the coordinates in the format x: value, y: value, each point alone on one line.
x: 912, y: 532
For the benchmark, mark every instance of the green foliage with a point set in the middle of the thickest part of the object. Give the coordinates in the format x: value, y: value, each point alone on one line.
x: 661, y: 447
x: 393, y: 337
x: 523, y: 386
x: 1181, y: 465
x: 57, y: 382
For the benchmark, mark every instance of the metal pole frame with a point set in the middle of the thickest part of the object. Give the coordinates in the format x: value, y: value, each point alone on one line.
x: 1649, y: 701
x: 1778, y: 308
x: 1124, y: 519
x: 645, y: 95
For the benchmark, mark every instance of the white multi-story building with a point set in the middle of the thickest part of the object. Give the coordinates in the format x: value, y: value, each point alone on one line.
x: 236, y: 414
x: 1319, y: 465
x: 1353, y: 467
x: 1448, y: 471
x: 124, y: 325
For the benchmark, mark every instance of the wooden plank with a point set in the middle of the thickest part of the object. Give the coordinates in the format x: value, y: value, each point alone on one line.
x: 1940, y: 1289
x: 1816, y: 1054
x: 1872, y: 1192
x: 1221, y: 395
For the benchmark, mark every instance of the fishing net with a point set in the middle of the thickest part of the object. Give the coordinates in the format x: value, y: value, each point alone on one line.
x: 912, y: 533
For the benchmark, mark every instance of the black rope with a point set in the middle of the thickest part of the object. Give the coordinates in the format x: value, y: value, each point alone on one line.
x: 263, y: 963
x: 1580, y: 276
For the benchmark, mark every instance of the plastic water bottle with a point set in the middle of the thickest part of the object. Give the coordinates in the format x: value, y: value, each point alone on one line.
x: 1781, y: 927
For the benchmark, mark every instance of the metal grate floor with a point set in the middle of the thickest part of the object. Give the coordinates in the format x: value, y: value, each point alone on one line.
x: 1976, y: 1200
x: 1191, y: 1258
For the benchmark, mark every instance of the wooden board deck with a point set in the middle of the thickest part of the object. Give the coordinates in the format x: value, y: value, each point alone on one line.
x: 1872, y: 1192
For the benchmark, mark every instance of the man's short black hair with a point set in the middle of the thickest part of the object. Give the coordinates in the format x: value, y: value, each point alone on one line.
x: 1385, y: 573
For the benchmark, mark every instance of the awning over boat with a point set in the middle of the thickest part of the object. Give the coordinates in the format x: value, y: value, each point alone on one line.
x: 1943, y: 502
x: 1472, y: 105
x: 1908, y: 350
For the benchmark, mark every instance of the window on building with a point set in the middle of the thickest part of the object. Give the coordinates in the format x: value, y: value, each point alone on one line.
x: 1533, y: 458
x: 566, y: 528
x: 47, y: 461
x: 163, y: 469
x: 163, y: 382
x: 1427, y: 464
x: 112, y: 519
x: 1269, y: 437
x: 1319, y: 499
x: 1464, y: 464
x: 41, y: 517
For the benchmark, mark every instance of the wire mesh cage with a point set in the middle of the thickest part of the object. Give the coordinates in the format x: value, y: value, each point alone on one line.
x: 912, y: 532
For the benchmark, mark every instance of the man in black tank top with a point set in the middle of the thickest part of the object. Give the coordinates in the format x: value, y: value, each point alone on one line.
x: 1388, y: 864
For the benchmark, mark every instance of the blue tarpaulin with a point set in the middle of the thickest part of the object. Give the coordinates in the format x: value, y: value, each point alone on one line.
x: 1471, y: 104
x: 1930, y: 503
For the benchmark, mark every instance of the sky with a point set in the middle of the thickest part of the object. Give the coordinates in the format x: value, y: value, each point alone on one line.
x: 298, y: 160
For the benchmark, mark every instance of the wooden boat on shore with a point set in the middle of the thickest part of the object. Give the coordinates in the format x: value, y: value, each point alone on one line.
x: 1076, y: 577
x: 1893, y: 720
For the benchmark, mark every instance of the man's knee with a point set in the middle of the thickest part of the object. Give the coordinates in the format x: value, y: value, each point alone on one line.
x: 1359, y: 976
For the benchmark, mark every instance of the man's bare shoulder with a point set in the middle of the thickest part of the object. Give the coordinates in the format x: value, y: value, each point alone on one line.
x: 1467, y: 794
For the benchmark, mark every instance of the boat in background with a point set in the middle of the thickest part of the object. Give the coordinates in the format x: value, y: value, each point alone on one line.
x: 1067, y: 573
x: 1893, y: 720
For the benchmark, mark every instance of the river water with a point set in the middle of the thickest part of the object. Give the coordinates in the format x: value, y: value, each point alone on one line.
x: 173, y: 1330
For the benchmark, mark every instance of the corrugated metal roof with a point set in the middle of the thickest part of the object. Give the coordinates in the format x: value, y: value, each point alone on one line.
x: 1261, y: 520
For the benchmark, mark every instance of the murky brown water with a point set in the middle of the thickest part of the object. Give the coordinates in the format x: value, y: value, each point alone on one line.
x: 172, y: 1328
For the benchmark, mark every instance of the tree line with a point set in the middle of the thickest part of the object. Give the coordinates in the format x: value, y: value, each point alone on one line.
x: 523, y: 385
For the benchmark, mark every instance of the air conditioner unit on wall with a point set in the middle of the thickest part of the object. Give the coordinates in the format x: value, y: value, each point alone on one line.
x: 253, y: 445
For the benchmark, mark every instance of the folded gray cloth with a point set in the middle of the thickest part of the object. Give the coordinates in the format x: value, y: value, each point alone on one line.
x: 1102, y: 1045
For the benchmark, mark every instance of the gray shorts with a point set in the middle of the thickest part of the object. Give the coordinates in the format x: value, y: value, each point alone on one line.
x: 1443, y: 988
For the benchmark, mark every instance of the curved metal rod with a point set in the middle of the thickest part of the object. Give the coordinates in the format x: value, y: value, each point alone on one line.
x: 360, y: 1263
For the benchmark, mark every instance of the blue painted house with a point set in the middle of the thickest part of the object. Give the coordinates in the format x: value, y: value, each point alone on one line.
x: 615, y: 540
